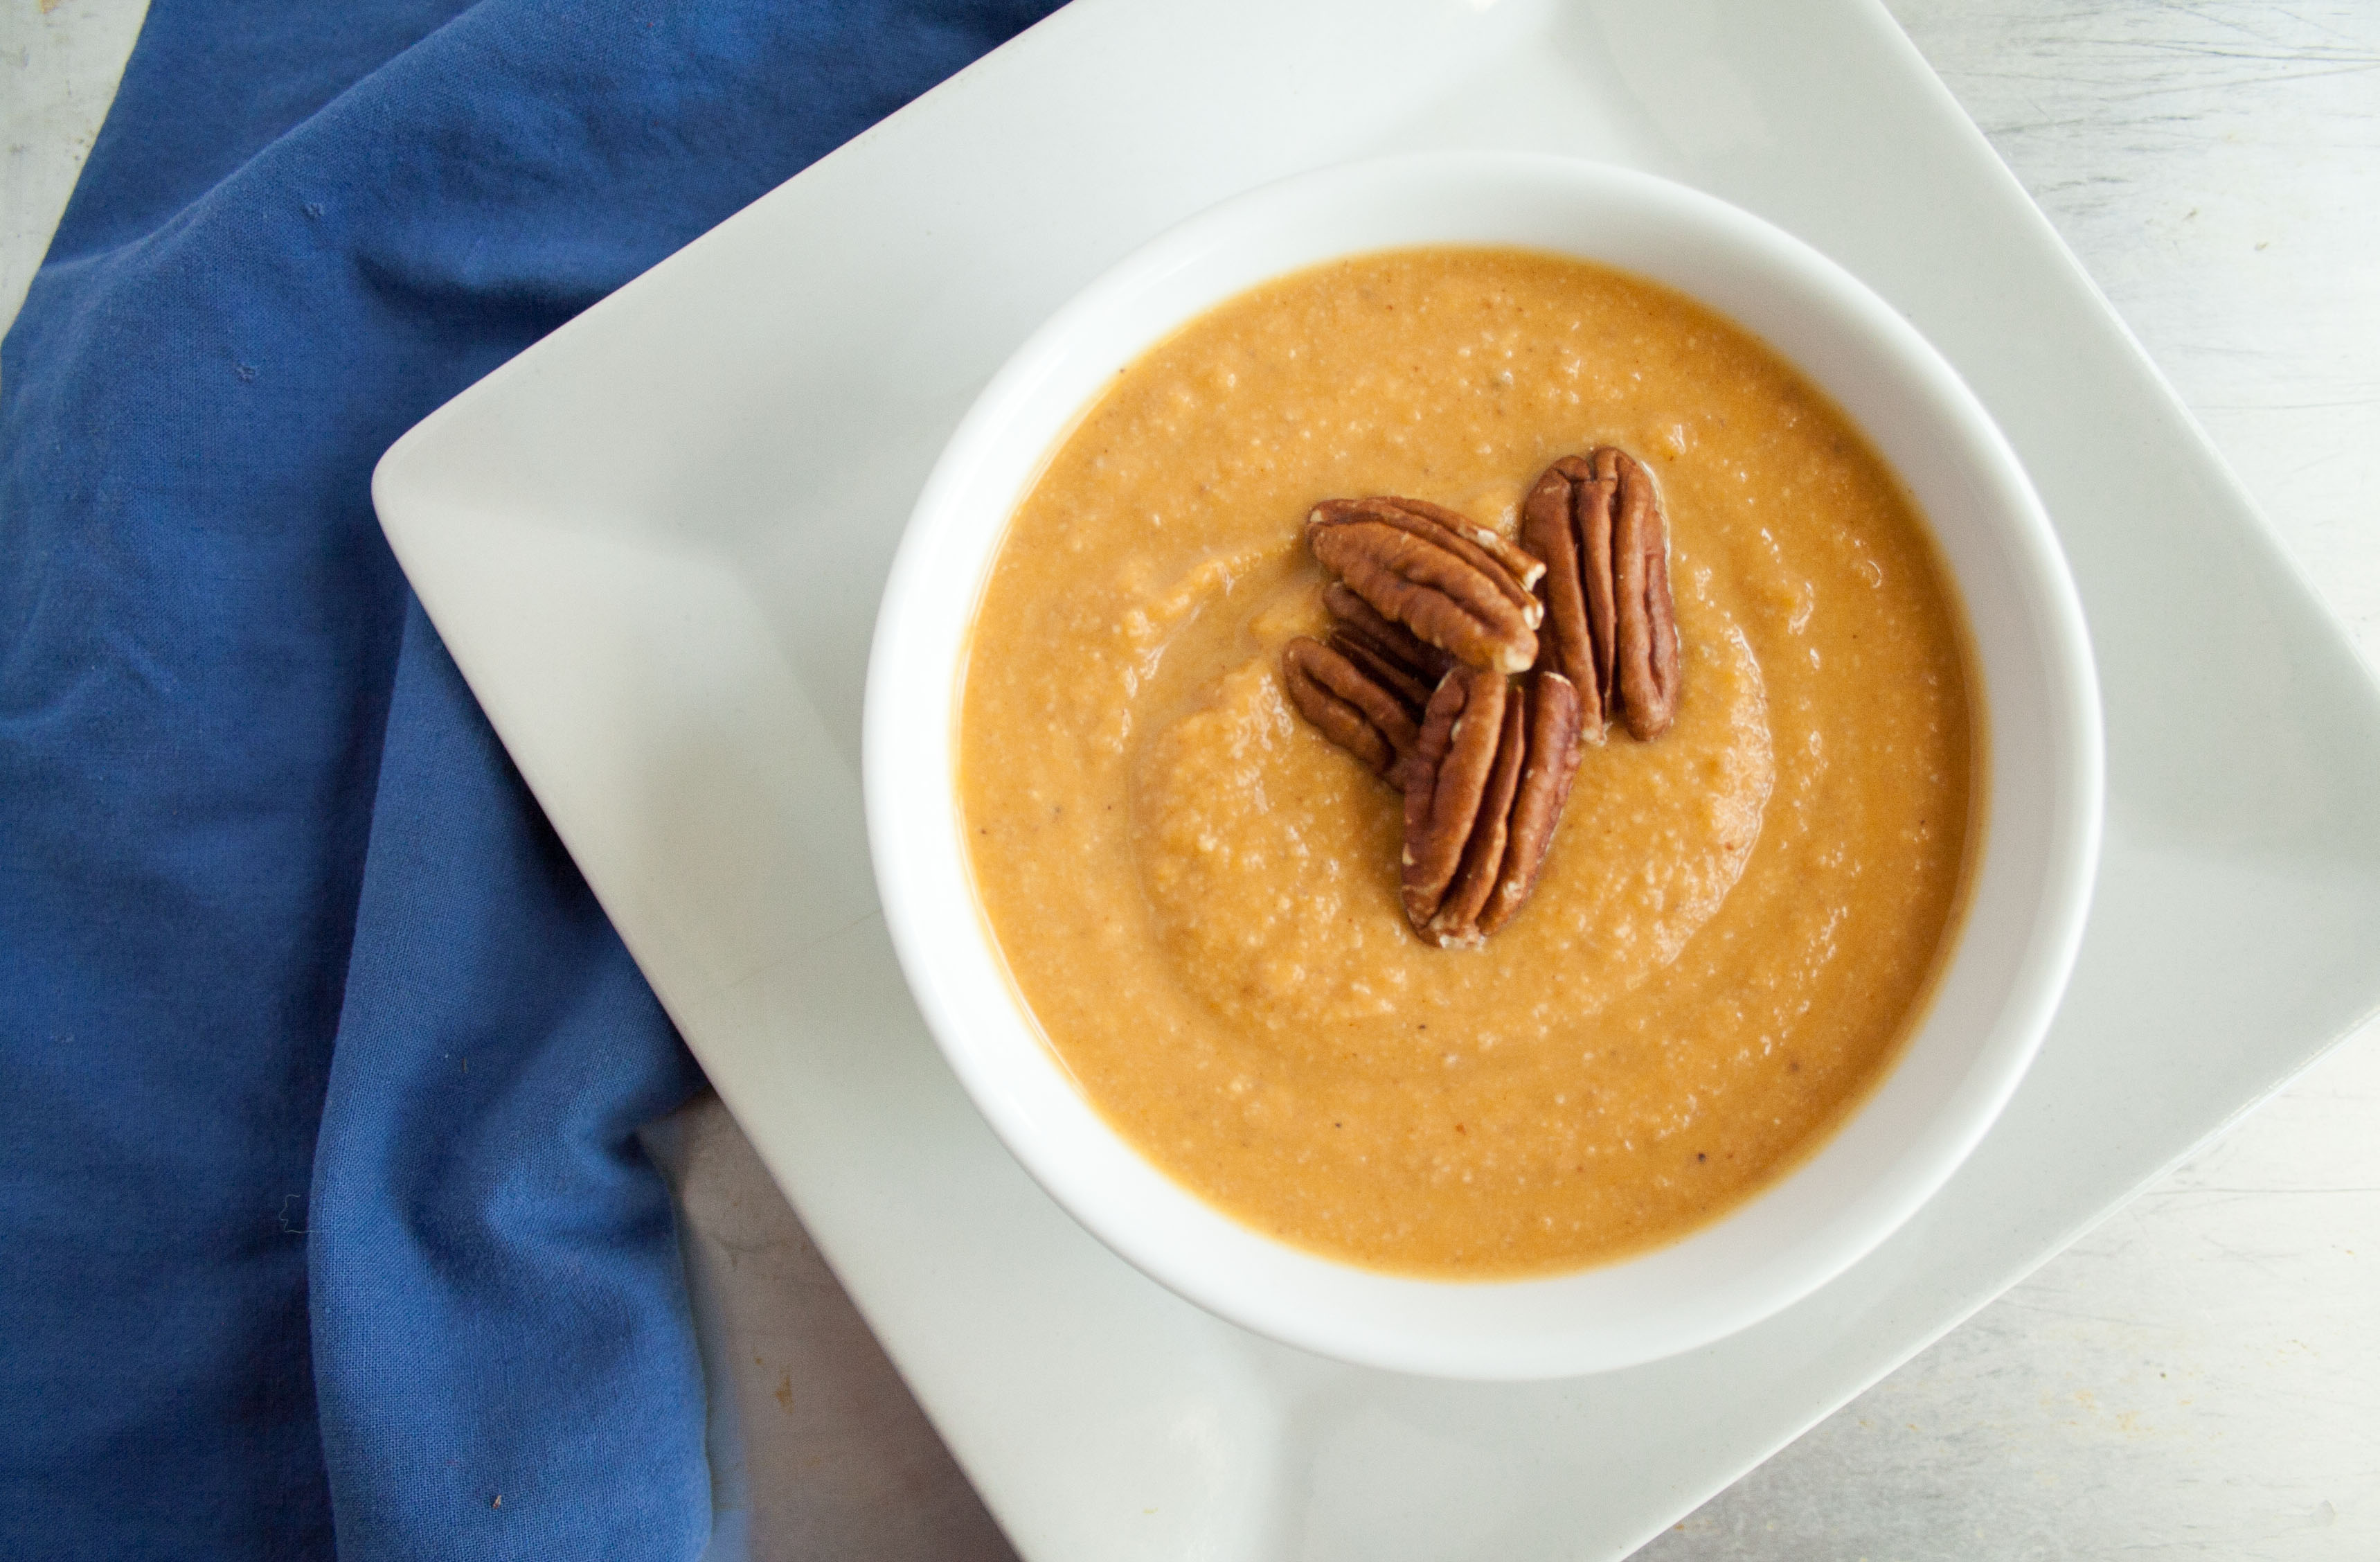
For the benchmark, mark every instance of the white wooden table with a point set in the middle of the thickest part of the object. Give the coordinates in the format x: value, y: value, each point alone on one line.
x: 2199, y: 1378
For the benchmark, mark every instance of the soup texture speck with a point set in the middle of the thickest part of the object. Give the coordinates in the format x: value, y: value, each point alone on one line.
x: 1196, y: 894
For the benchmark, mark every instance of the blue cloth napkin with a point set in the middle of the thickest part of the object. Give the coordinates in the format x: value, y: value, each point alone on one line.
x: 321, y: 1209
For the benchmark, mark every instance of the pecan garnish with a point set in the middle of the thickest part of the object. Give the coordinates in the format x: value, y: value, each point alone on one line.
x: 1431, y: 614
x: 1460, y: 735
x: 1456, y: 919
x: 1350, y: 706
x: 1551, y: 732
x: 1482, y: 797
x: 1367, y: 687
x: 1456, y: 585
x: 1610, y: 628
x: 1387, y: 651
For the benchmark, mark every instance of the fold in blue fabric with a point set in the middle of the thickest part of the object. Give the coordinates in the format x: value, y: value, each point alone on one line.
x: 323, y: 1219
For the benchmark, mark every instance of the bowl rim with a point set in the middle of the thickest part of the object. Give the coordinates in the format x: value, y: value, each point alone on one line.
x: 1535, y: 1327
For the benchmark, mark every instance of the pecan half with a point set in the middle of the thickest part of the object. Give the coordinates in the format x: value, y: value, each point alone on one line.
x: 1456, y: 585
x: 1350, y: 706
x: 1551, y: 732
x: 1456, y: 921
x: 1386, y: 650
x: 1482, y: 798
x: 1610, y: 627
x: 1453, y: 765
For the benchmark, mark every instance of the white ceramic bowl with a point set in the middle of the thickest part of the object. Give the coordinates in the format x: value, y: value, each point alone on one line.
x: 2043, y: 757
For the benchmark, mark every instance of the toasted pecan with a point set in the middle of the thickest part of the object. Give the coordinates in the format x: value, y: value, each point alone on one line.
x: 1457, y: 586
x: 1610, y: 627
x: 1349, y: 705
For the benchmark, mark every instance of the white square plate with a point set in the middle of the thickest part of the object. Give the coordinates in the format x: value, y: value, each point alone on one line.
x: 654, y: 543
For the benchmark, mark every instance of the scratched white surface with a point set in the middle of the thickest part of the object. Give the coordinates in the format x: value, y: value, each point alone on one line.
x: 59, y: 60
x: 2199, y: 1378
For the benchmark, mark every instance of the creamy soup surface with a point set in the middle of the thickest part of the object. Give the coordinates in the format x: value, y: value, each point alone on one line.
x: 1196, y: 894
